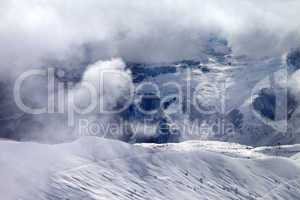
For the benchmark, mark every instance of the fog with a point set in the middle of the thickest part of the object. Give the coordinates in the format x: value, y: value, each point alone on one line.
x: 138, y: 30
x: 34, y: 32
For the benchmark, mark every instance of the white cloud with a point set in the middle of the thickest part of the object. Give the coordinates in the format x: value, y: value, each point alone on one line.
x: 108, y: 81
x: 141, y: 30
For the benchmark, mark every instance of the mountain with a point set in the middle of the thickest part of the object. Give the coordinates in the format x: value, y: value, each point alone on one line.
x: 240, y: 99
x: 93, y: 168
x: 218, y: 96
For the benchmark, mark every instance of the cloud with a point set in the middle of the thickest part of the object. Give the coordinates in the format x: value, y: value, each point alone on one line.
x: 139, y: 30
x: 33, y: 32
x: 104, y: 82
x: 294, y: 84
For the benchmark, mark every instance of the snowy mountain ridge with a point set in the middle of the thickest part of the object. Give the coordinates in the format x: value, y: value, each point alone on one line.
x: 93, y: 168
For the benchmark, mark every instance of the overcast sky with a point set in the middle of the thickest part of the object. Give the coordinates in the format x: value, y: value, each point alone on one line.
x: 142, y: 30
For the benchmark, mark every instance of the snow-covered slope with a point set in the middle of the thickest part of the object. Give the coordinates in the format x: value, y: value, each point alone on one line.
x: 92, y: 168
x: 250, y: 97
x: 234, y: 91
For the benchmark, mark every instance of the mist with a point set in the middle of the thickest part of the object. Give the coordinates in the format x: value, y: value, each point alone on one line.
x: 36, y: 30
x: 90, y: 33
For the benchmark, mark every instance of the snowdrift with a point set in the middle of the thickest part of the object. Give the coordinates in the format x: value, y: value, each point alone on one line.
x: 93, y: 168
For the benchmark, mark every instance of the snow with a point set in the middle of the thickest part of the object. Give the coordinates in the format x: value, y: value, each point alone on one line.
x: 94, y: 168
x: 232, y: 83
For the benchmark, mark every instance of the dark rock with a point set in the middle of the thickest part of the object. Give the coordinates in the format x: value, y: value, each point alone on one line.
x: 236, y: 118
x: 293, y: 60
x: 141, y: 72
x: 265, y: 103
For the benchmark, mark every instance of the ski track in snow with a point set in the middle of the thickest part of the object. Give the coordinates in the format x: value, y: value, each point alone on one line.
x: 94, y: 168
